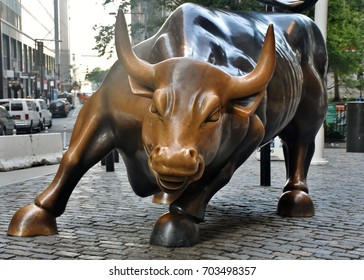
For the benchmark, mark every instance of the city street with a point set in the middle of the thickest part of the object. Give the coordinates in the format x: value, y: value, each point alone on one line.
x: 65, y: 124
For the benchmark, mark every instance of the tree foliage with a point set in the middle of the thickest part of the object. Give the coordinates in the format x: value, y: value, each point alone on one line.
x: 96, y: 75
x: 345, y: 41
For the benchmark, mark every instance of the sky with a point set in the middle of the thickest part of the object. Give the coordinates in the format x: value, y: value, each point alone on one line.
x: 84, y: 14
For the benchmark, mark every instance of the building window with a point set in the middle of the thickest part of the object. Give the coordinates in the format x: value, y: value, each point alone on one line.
x: 6, y: 52
x: 19, y: 57
x: 25, y: 58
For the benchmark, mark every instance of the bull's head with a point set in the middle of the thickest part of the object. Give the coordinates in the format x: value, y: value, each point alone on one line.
x: 182, y: 131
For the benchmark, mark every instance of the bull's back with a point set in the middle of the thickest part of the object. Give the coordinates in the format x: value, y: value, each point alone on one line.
x: 233, y: 42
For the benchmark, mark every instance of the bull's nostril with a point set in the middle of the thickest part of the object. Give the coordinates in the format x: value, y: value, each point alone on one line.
x: 193, y: 153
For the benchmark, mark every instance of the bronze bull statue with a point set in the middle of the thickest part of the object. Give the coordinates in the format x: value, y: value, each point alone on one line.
x: 188, y: 106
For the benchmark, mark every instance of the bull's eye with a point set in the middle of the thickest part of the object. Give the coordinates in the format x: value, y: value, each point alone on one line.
x: 154, y: 110
x: 213, y: 117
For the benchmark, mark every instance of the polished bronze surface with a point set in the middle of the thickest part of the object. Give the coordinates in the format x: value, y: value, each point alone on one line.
x: 188, y: 106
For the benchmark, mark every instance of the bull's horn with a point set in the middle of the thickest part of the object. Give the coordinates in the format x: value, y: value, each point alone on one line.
x: 137, y: 68
x: 256, y: 80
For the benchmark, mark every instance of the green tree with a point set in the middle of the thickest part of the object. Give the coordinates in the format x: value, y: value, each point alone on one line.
x: 96, y: 76
x: 345, y: 41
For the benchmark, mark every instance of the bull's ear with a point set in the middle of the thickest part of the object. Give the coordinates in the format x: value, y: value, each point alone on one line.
x: 245, y: 108
x: 140, y: 89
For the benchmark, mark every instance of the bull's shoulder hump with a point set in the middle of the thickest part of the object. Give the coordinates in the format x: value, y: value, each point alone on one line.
x: 192, y: 30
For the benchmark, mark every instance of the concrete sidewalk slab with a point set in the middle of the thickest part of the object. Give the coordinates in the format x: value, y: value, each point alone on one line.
x: 21, y: 175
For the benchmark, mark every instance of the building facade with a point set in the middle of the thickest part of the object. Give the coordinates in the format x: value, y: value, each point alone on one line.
x: 142, y: 13
x: 28, y: 47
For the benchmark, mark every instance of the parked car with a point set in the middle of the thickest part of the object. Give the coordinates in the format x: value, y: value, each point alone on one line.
x: 24, y: 112
x: 7, y: 124
x: 59, y: 107
x: 44, y: 114
x: 69, y: 97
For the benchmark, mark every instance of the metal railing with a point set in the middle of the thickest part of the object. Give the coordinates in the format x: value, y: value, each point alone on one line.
x: 335, y: 122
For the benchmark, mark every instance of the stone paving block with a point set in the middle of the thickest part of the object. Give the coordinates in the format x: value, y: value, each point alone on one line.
x: 40, y: 256
x: 347, y: 255
x: 96, y: 252
x: 177, y: 253
x: 257, y: 255
x: 90, y: 257
x: 284, y: 256
x: 283, y: 249
x: 66, y: 254
x: 234, y: 256
x: 19, y: 252
x: 301, y: 253
x: 7, y: 256
x: 42, y: 250
x: 214, y: 257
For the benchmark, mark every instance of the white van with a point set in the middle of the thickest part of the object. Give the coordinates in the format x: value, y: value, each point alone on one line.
x: 44, y: 114
x: 24, y: 112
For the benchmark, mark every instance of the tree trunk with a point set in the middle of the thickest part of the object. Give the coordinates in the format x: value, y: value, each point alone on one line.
x: 336, y: 88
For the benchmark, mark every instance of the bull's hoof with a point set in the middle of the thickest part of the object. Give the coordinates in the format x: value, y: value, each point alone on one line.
x: 295, y: 203
x: 175, y: 230
x: 32, y: 220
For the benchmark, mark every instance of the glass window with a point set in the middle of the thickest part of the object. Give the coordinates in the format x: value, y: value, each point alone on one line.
x: 30, y: 105
x: 16, y: 106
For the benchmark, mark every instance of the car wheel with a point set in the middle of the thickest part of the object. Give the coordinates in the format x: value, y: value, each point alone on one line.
x: 2, y: 130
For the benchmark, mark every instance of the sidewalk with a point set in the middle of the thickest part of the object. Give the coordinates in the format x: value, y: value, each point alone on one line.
x: 17, y: 176
x: 104, y: 219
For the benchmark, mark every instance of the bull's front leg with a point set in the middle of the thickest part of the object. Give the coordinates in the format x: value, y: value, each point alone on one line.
x: 179, y: 227
x: 91, y: 141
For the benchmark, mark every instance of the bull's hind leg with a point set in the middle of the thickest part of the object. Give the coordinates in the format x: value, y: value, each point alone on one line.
x: 91, y: 141
x: 295, y: 201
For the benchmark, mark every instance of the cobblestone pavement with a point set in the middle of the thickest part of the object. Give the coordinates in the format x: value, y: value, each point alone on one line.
x: 104, y: 219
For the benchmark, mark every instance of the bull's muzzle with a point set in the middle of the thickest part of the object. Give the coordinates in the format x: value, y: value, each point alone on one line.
x: 175, y: 169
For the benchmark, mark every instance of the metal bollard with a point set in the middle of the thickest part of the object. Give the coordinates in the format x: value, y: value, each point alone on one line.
x: 64, y: 138
x: 109, y: 162
x: 265, y: 165
x: 116, y: 155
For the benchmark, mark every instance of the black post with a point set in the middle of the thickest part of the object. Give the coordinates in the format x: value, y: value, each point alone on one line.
x: 40, y: 64
x: 265, y: 165
x: 109, y: 162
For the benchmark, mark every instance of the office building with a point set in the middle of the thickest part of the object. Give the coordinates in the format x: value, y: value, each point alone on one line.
x: 28, y: 48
